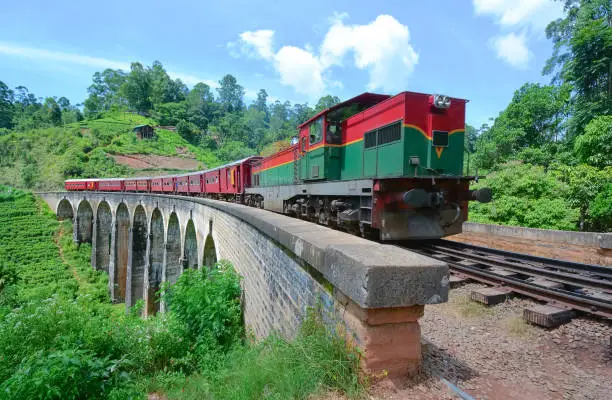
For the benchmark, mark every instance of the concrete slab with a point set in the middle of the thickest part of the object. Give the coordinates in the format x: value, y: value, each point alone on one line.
x: 440, y: 255
x: 602, y: 296
x: 468, y: 263
x: 457, y: 280
x: 490, y: 296
x: 547, y: 316
x: 547, y: 284
x: 503, y: 272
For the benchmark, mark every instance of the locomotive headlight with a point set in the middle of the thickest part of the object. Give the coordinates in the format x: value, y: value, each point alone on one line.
x: 441, y: 101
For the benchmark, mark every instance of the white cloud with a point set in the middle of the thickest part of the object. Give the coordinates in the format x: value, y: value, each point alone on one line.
x: 530, y: 16
x: 93, y: 62
x: 381, y: 47
x: 261, y: 42
x: 536, y: 13
x: 300, y: 69
x: 512, y: 48
x: 42, y: 54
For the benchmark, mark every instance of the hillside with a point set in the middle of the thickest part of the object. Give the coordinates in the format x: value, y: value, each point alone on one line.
x: 43, y: 158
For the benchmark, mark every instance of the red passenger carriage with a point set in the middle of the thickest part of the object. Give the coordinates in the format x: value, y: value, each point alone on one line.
x: 143, y: 184
x: 111, y: 185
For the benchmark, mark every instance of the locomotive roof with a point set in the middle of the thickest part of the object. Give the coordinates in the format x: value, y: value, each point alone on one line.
x: 366, y: 98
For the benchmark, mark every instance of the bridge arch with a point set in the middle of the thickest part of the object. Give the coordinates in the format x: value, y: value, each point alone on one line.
x: 173, y: 250
x: 156, y: 261
x: 209, y: 258
x: 190, y: 254
x: 104, y: 222
x: 84, y: 222
x: 136, y: 273
x: 64, y: 210
x: 122, y: 234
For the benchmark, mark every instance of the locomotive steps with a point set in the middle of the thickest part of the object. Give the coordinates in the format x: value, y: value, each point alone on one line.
x: 375, y: 292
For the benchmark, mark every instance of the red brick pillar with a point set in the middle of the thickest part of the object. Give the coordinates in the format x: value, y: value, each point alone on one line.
x: 389, y: 338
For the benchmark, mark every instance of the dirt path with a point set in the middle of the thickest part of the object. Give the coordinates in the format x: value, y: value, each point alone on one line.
x: 58, y: 243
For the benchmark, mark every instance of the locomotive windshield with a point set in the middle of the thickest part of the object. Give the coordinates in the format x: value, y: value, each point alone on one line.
x: 316, y: 130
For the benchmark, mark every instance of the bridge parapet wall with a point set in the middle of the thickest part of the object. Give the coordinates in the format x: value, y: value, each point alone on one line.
x: 583, y: 247
x: 376, y: 292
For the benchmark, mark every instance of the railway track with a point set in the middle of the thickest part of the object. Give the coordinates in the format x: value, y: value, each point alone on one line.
x: 582, y: 287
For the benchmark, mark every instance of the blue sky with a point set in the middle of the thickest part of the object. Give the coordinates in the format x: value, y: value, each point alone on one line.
x: 481, y: 50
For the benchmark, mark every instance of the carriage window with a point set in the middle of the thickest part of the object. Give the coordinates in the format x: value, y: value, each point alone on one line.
x: 316, y: 130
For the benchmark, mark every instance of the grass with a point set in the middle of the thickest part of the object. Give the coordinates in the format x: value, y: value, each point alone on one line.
x: 61, y: 337
x: 463, y: 306
x: 312, y: 364
x: 517, y: 326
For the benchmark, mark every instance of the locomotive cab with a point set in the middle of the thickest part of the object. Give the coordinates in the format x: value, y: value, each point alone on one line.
x: 322, y: 138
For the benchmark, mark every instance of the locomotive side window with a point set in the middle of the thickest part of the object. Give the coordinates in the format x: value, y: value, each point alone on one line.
x: 390, y: 133
x: 370, y: 139
x: 316, y: 130
x: 440, y: 138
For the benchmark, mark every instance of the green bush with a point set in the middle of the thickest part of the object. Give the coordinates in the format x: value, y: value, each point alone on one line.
x: 63, y: 374
x: 208, y: 304
x: 526, y: 195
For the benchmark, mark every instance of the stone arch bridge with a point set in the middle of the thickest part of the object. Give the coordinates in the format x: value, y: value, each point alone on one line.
x: 377, y: 292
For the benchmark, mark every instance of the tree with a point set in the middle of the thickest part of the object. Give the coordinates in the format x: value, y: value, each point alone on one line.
x: 137, y: 88
x: 63, y: 103
x: 582, y: 57
x: 300, y: 114
x: 471, y: 134
x: 601, y: 209
x: 188, y: 131
x: 584, y: 183
x: 533, y: 118
x: 200, y: 105
x: 163, y: 88
x: 255, y: 121
x: 6, y: 106
x: 595, y: 146
x: 230, y: 94
x: 53, y: 112
x: 326, y: 102
x: 105, y: 91
x: 260, y: 104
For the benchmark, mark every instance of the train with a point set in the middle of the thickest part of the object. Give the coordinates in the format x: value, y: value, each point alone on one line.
x: 384, y: 167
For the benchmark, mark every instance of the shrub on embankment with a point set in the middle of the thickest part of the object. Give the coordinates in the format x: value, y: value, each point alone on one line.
x: 62, y: 338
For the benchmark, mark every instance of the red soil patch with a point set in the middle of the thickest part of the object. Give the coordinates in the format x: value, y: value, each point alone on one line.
x: 141, y: 161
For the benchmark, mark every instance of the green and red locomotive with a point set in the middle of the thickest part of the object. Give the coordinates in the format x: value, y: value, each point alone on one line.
x: 385, y: 167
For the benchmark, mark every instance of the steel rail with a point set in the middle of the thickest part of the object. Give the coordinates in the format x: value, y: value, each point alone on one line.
x: 573, y: 279
x: 553, y: 262
x: 562, y: 297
